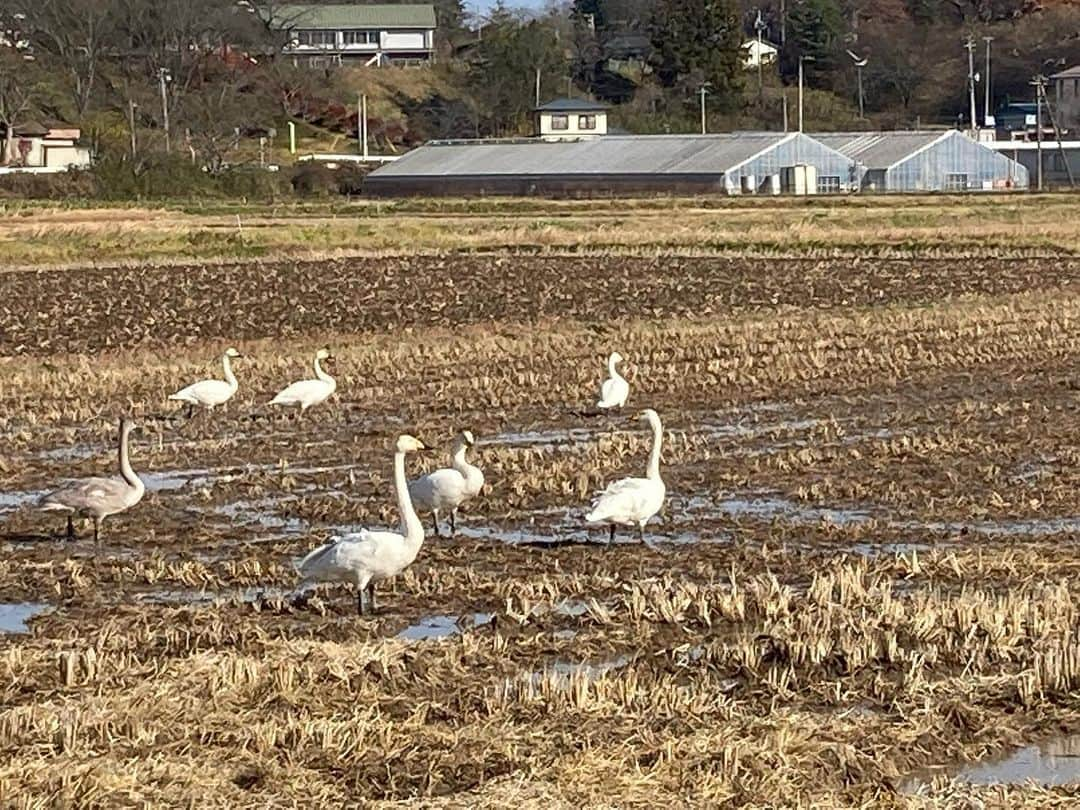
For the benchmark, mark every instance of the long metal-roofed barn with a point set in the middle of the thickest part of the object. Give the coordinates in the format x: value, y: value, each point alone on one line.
x: 614, y: 164
x: 926, y: 161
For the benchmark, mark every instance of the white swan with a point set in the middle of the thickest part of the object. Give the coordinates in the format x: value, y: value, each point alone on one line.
x: 365, y: 557
x: 306, y: 393
x: 98, y: 498
x: 634, y: 500
x: 444, y: 490
x: 616, y: 389
x: 208, y: 393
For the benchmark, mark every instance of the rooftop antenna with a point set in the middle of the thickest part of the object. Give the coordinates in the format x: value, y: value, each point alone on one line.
x: 860, y: 63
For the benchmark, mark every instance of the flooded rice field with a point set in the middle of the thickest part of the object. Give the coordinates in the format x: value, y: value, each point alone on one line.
x: 861, y: 589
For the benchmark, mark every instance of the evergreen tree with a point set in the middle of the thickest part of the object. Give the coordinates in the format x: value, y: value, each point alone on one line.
x: 700, y: 38
x: 816, y: 29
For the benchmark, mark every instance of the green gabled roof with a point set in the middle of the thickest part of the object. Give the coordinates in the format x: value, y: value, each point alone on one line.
x: 343, y: 17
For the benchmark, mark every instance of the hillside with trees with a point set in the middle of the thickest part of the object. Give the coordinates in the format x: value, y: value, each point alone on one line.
x: 117, y: 68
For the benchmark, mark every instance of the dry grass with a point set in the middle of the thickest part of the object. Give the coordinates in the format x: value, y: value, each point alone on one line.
x: 867, y: 565
x: 1003, y: 226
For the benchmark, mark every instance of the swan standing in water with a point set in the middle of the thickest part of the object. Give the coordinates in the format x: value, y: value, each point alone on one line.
x: 444, y: 490
x: 616, y: 389
x: 208, y: 393
x: 365, y: 557
x: 634, y: 500
x: 98, y: 498
x: 306, y: 393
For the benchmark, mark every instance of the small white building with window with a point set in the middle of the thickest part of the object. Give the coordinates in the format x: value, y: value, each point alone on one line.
x: 369, y: 34
x: 41, y: 147
x: 571, y: 119
x: 759, y: 53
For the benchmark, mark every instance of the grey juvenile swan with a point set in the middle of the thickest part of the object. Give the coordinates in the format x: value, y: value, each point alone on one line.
x: 97, y: 498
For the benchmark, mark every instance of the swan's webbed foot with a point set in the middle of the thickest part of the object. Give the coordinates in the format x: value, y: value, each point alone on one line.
x: 435, y: 523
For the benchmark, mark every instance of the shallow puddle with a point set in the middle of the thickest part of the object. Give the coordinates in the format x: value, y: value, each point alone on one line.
x: 544, y: 439
x: 259, y: 513
x: 193, y: 596
x: 75, y: 452
x: 15, y: 615
x: 888, y: 549
x: 775, y: 508
x: 434, y: 627
x: 10, y: 501
x: 567, y: 670
x: 1053, y: 762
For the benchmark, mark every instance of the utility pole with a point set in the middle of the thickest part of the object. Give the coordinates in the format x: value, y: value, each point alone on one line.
x: 1038, y: 83
x: 1057, y: 137
x: 802, y: 59
x: 860, y: 63
x: 783, y: 23
x: 538, y: 87
x: 131, y: 124
x: 986, y: 87
x: 361, y: 126
x: 969, y: 43
x: 783, y: 99
x: 163, y: 77
x: 703, y: 91
x: 759, y: 26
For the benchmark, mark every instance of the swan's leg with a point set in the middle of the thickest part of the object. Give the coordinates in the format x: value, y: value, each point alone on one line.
x: 435, y: 521
x: 97, y: 530
x: 641, y: 531
x: 611, y: 535
x: 190, y: 410
x: 453, y: 522
x: 360, y: 601
x: 70, y: 528
x: 371, y: 597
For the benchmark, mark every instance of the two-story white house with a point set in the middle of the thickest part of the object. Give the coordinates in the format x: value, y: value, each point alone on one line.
x: 570, y: 118
x: 376, y: 34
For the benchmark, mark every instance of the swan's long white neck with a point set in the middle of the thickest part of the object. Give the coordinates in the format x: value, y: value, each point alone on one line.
x: 472, y: 474
x: 611, y: 367
x: 230, y: 378
x: 322, y: 375
x: 458, y: 461
x: 125, y: 463
x: 654, y: 457
x: 411, y: 527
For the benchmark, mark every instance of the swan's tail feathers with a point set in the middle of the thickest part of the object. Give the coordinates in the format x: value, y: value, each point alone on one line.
x: 47, y: 505
x: 306, y: 565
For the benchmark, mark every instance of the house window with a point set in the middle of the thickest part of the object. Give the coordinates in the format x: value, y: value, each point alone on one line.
x: 316, y: 39
x: 586, y: 122
x: 828, y: 184
x: 561, y: 121
x: 361, y: 37
x: 956, y: 182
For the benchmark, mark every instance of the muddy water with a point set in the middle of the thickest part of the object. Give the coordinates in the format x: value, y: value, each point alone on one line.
x: 1052, y: 762
x: 436, y: 627
x: 15, y: 615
